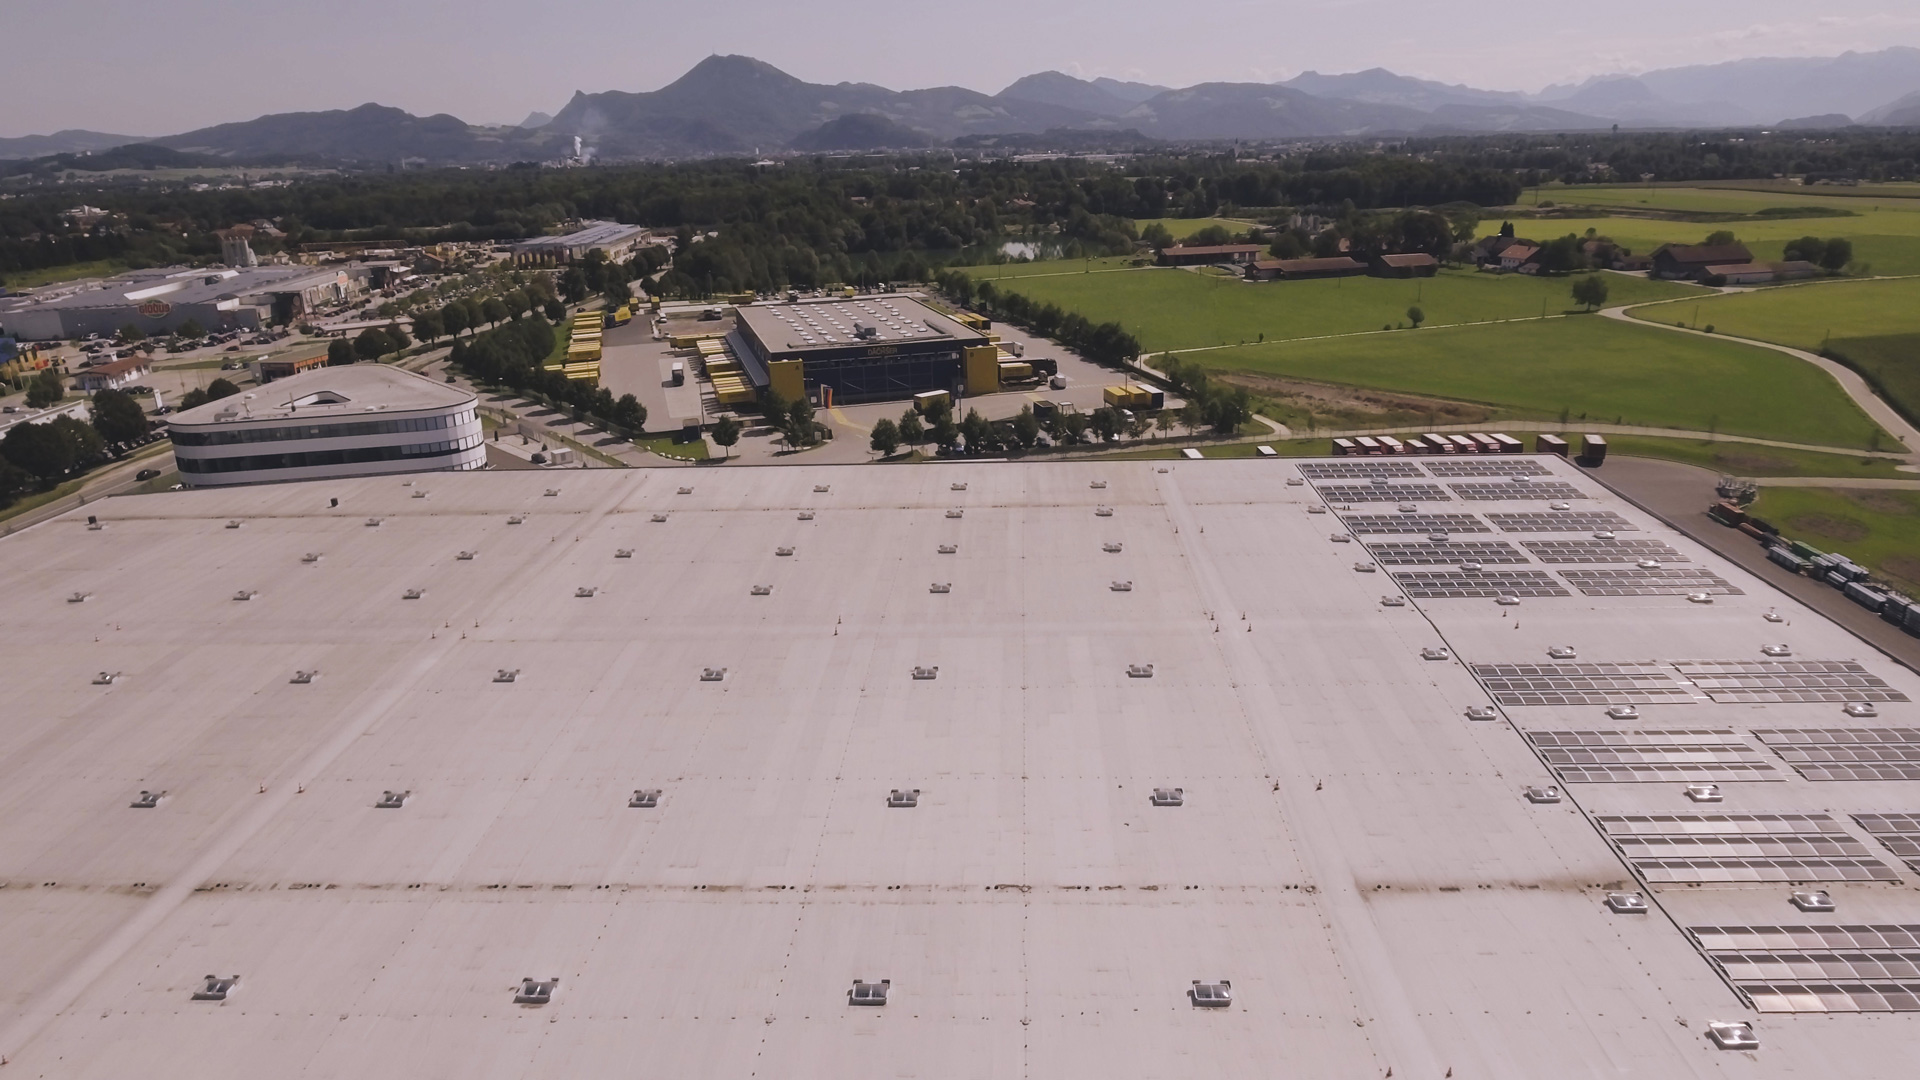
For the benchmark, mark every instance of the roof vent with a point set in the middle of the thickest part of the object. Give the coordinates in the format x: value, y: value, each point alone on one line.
x: 585, y: 592
x: 623, y: 553
x: 940, y: 587
x: 1103, y: 511
x: 713, y: 674
x: 948, y: 549
x: 1560, y: 506
x: 1732, y: 1035
x: 1098, y: 485
x: 1438, y: 537
x: 1603, y: 536
x: 961, y: 486
x: 644, y: 798
x: 806, y: 515
x: 1211, y: 995
x: 78, y: 597
x: 304, y: 678
x: 1861, y: 709
x: 1775, y: 650
x: 215, y: 988
x: 783, y: 551
x: 1162, y: 469
x: 1316, y: 509
x: 419, y: 494
x: 233, y: 524
x: 1520, y: 479
x: 466, y: 556
x: 148, y: 800
x: 1811, y: 900
x: 1622, y: 712
x: 1774, y: 616
x: 1543, y: 795
x: 1379, y: 481
x: 1110, y: 548
x: 658, y: 518
x: 373, y: 523
x: 955, y: 513
x: 1626, y: 903
x: 760, y: 590
x: 1482, y: 712
x: 106, y: 678
x: 1699, y: 598
x: 506, y: 674
x: 1648, y: 564
x: 924, y: 673
x: 1405, y: 508
x: 392, y: 800
x: 1340, y: 538
x: 1294, y: 481
x: 535, y: 991
x: 1139, y: 671
x: 551, y: 492
x: 1393, y: 601
x: 1169, y: 796
x: 1562, y: 652
x: 516, y: 519
x: 310, y: 557
x: 686, y: 491
x: 1120, y: 586
x: 869, y: 993
x: 903, y: 798
x: 1364, y: 568
x: 246, y: 594
x: 1507, y: 600
x: 1704, y: 793
x: 1435, y: 653
x: 413, y: 594
x: 1470, y: 567
x: 96, y: 526
x: 822, y: 489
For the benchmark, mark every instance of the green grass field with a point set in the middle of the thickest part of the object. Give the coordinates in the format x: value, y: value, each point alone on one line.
x: 1594, y: 369
x: 1877, y: 529
x: 1805, y: 316
x: 1886, y: 241
x: 1181, y: 228
x: 1748, y: 459
x: 1174, y: 309
x: 1712, y: 200
x: 1053, y: 267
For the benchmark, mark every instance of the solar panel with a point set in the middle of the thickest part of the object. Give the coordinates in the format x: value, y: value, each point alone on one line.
x: 1581, y: 684
x: 1692, y: 848
x: 1848, y: 753
x: 1701, y: 755
x: 1365, y: 524
x: 1818, y: 968
x: 1353, y: 493
x: 1787, y: 681
x: 1563, y: 521
x: 1359, y: 470
x: 1487, y: 467
x: 1638, y: 582
x: 1898, y: 833
x: 1601, y: 551
x: 1457, y: 584
x: 1433, y: 553
x: 1540, y: 490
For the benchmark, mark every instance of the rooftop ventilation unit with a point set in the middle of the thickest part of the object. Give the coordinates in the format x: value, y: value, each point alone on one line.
x: 783, y: 551
x: 392, y: 800
x: 659, y: 518
x: 760, y: 590
x: 1435, y: 654
x: 413, y: 594
x: 903, y: 798
x: 535, y: 991
x: 644, y: 798
x: 1438, y: 537
x: 215, y: 988
x: 1098, y: 485
x: 1505, y: 600
x: 957, y: 486
x: 1103, y: 511
x: 1364, y: 568
x: 822, y: 489
x: 1379, y: 481
x: 1169, y: 796
x: 246, y: 594
x: 148, y: 800
x: 1482, y: 712
x: 1811, y: 900
x: 1393, y: 601
x: 1626, y: 903
x: 623, y: 553
x: 1732, y: 1035
x: 106, y: 678
x: 686, y: 491
x: 1649, y: 564
x: 310, y: 557
x: 1316, y: 509
x: 1774, y: 616
x: 466, y: 556
x: 1562, y: 652
x: 1520, y: 479
x: 78, y: 597
x: 1699, y: 598
x: 1139, y: 671
x: 304, y: 678
x: 806, y: 515
x: 1294, y: 481
x: 869, y: 993
x: 585, y: 592
x: 516, y: 519
x: 1543, y: 795
x: 1622, y: 712
x: 1211, y: 995
x: 1704, y: 793
x: 1470, y: 567
x: 552, y: 492
x: 713, y: 674
x: 1860, y: 709
x: 1161, y: 469
x: 940, y: 587
x: 1110, y: 548
x: 373, y: 523
x: 955, y: 513
x: 948, y: 549
x: 1404, y: 508
x: 1340, y: 538
x: 924, y: 673
x: 233, y: 524
x: 1775, y: 650
x: 419, y: 494
x: 95, y: 526
x: 1603, y: 536
x: 506, y: 674
x: 1120, y: 586
x: 1559, y: 506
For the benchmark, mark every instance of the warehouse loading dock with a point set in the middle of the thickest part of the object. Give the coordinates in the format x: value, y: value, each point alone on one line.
x: 878, y: 348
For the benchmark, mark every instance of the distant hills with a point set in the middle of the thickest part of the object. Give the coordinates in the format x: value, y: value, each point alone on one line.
x: 739, y: 105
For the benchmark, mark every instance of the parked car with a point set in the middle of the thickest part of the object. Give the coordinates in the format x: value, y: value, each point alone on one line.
x: 146, y: 474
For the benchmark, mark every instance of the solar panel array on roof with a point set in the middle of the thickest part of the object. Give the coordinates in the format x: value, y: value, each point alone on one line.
x: 1541, y: 490
x: 1563, y: 521
x: 1787, y: 680
x: 1363, y: 469
x: 1483, y: 467
x: 1353, y: 493
x: 1898, y: 833
x: 1436, y: 552
x: 1818, y: 969
x: 1581, y: 684
x: 1365, y: 524
x: 1848, y: 753
x: 1601, y: 551
x: 1459, y: 584
x: 1689, y: 848
x: 1702, y: 755
x: 1639, y: 582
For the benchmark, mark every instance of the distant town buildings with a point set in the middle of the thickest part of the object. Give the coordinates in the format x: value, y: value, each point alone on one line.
x: 161, y: 301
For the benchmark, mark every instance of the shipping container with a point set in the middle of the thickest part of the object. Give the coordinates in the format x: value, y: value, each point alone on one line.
x: 1755, y: 531
x: 1871, y: 599
x: 1549, y: 444
x: 1836, y: 579
x: 1913, y: 619
x: 1509, y: 444
x: 1345, y: 448
x: 1895, y: 611
x: 1464, y: 445
x: 1804, y: 549
x: 1593, y: 450
x: 1487, y: 443
x: 1787, y: 559
x: 1015, y: 370
x: 1393, y: 445
x: 1724, y: 514
x: 929, y: 398
x: 1370, y: 446
x: 1440, y: 444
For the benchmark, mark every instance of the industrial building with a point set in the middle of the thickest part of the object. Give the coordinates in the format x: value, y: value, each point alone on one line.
x: 355, y: 420
x: 1243, y: 768
x: 617, y: 241
x: 161, y: 301
x: 875, y: 348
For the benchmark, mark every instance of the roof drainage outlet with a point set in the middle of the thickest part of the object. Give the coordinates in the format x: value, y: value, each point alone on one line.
x: 215, y: 988
x: 903, y: 798
x: 1626, y: 903
x: 869, y: 993
x: 713, y: 674
x: 148, y: 800
x: 392, y: 800
x: 623, y: 553
x: 1103, y: 511
x: 1120, y: 586
x: 1169, y: 796
x: 535, y: 991
x: 304, y: 678
x: 1732, y: 1035
x: 940, y: 587
x: 1211, y: 995
x: 925, y: 673
x: 506, y: 674
x: 644, y: 798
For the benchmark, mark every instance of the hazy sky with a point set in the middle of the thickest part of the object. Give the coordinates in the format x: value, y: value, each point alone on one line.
x: 156, y: 67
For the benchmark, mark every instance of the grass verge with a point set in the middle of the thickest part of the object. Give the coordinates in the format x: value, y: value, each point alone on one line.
x: 1878, y: 529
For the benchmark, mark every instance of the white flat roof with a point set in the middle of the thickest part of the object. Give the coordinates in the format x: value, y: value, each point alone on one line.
x: 1353, y: 853
x: 351, y: 390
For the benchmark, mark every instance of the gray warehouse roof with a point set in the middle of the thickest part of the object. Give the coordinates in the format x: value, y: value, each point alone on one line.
x: 1350, y: 851
x: 178, y: 286
x: 590, y: 235
x: 796, y: 329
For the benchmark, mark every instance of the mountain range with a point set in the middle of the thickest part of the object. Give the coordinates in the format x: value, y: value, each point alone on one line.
x: 729, y: 105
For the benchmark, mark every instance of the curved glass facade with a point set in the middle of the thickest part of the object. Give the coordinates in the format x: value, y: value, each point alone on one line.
x: 285, y: 432
x: 309, y: 459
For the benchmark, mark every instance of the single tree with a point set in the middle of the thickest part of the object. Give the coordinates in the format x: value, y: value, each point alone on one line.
x: 46, y: 389
x: 726, y: 432
x: 885, y: 438
x: 117, y: 417
x: 191, y: 330
x: 397, y: 336
x: 912, y: 431
x: 630, y: 414
x: 129, y: 334
x: 1591, y: 291
x: 1138, y: 427
x: 1838, y: 253
x: 1719, y: 237
x: 372, y: 344
x: 493, y: 311
x: 1026, y: 429
x: 453, y: 318
x: 975, y: 429
x: 428, y: 327
x: 1163, y: 422
x: 573, y: 285
x: 221, y: 388
x: 1416, y: 316
x: 943, y: 431
x: 340, y: 353
x: 1106, y: 423
x: 800, y: 423
x: 1193, y: 416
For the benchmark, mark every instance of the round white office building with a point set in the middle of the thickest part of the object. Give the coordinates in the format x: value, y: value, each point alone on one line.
x: 359, y: 420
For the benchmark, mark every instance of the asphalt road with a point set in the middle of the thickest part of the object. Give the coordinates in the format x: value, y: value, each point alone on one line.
x: 1680, y: 494
x: 114, y: 479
